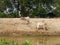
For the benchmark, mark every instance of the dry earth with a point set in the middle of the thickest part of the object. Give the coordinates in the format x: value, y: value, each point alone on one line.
x: 16, y: 26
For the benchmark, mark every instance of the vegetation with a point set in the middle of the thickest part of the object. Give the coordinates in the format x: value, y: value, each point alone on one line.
x: 4, y: 42
x: 26, y: 43
x: 32, y: 8
x: 57, y: 11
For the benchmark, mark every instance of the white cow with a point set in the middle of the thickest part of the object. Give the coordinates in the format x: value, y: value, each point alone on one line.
x: 27, y: 19
x: 41, y: 25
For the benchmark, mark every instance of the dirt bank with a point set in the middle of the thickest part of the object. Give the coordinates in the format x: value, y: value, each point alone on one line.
x: 17, y: 27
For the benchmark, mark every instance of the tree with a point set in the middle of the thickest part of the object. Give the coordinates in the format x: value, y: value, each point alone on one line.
x: 30, y: 7
x: 36, y: 5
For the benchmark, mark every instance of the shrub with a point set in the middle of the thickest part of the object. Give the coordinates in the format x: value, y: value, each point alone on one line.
x: 26, y: 43
x: 4, y: 42
x: 1, y: 14
x: 57, y: 11
x: 38, y: 12
x: 12, y: 15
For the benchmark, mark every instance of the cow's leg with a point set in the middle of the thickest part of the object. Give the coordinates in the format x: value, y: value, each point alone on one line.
x: 46, y: 28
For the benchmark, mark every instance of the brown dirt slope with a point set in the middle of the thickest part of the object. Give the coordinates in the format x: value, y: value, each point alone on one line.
x: 16, y: 26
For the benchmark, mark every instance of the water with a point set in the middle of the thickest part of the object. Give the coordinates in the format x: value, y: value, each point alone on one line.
x: 41, y: 40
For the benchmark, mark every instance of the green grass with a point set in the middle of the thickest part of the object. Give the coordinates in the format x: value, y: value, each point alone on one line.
x: 4, y: 42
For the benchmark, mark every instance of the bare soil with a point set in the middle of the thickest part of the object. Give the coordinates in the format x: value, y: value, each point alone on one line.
x: 17, y: 27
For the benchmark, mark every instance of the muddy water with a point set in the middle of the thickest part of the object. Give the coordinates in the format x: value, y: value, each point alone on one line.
x: 42, y: 40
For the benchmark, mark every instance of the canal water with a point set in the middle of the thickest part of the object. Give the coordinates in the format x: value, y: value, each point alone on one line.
x: 41, y: 40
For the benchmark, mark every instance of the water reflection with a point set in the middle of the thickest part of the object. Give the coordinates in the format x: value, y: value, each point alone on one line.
x: 40, y: 40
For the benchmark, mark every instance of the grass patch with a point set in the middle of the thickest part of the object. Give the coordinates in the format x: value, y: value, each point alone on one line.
x: 4, y: 42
